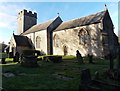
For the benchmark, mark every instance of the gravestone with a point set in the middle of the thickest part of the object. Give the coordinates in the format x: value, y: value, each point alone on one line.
x: 29, y: 61
x: 21, y: 57
x: 85, y: 77
x: 96, y: 75
x: 111, y: 61
x: 3, y: 61
x: 88, y: 84
x: 54, y: 59
x: 90, y: 59
x: 16, y: 57
x: 113, y: 73
x: 3, y: 57
x: 79, y: 57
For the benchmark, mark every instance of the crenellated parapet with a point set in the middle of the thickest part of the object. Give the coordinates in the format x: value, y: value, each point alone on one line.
x: 26, y: 19
x: 27, y: 13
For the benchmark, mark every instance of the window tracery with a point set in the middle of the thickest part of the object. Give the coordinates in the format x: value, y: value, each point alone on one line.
x: 83, y: 36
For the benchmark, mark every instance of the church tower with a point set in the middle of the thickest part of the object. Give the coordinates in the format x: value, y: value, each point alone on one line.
x: 26, y: 19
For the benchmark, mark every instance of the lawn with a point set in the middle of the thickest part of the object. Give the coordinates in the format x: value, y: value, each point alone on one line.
x: 42, y: 77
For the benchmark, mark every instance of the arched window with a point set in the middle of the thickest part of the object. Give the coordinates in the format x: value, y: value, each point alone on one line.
x: 56, y: 40
x: 83, y: 36
x: 38, y: 39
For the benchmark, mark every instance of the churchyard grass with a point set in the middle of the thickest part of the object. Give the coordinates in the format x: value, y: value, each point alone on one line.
x: 42, y: 77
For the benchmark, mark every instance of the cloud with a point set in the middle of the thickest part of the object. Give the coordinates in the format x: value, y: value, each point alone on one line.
x: 8, y: 19
x: 8, y: 15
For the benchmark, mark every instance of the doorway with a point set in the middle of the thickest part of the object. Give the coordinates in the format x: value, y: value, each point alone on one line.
x: 65, y: 50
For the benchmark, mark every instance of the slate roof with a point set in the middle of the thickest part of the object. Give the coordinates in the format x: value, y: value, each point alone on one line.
x: 87, y: 20
x: 91, y: 19
x: 39, y: 27
x: 22, y: 40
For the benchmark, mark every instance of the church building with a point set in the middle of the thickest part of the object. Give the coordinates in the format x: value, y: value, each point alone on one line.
x: 93, y: 34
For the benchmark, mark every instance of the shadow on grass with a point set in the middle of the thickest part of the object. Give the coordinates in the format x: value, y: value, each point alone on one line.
x: 41, y: 77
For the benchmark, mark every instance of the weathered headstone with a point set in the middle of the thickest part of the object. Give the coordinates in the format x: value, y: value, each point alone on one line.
x: 79, y: 57
x: 29, y: 61
x: 96, y: 75
x: 85, y: 76
x: 3, y: 61
x: 54, y: 59
x: 88, y: 84
x: 21, y: 57
x: 28, y: 58
x: 16, y: 57
x: 111, y: 61
x: 90, y: 59
x: 3, y: 57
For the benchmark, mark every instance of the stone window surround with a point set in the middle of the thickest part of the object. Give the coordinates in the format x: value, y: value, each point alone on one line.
x: 38, y: 40
x: 83, y: 36
x: 56, y: 40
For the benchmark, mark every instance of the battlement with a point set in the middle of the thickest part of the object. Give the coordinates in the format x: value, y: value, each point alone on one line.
x: 26, y: 19
x: 27, y: 13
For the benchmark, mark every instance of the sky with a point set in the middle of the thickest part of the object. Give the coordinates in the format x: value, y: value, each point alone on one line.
x: 48, y: 10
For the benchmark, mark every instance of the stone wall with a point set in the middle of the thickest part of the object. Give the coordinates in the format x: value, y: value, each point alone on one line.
x: 26, y: 19
x: 69, y: 41
x: 12, y: 45
x: 43, y: 40
x: 20, y: 21
x: 29, y: 22
x: 109, y: 45
x: 15, y: 47
x: 31, y: 36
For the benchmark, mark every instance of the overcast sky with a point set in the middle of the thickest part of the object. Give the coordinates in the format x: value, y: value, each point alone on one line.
x: 49, y: 10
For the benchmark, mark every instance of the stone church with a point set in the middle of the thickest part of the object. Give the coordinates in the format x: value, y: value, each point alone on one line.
x: 93, y: 34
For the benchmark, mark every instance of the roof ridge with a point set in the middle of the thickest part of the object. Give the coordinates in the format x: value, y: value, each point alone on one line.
x: 39, y: 25
x: 84, y: 16
x: 86, y: 20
